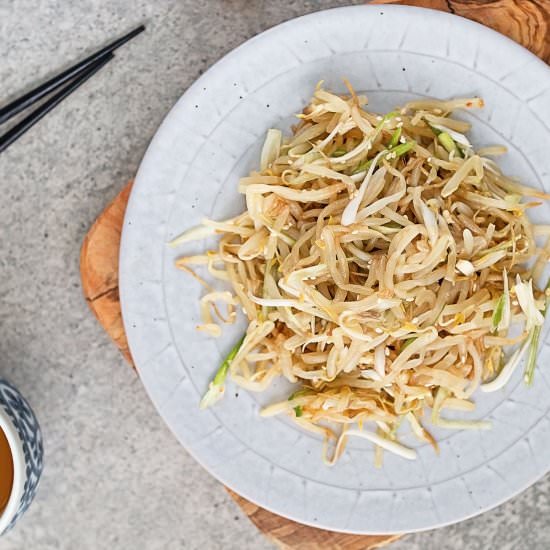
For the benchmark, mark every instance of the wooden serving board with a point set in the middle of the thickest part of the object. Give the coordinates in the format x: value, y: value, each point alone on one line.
x: 526, y: 22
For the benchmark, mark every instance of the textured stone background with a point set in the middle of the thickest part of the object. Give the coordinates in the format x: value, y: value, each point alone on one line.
x: 115, y: 477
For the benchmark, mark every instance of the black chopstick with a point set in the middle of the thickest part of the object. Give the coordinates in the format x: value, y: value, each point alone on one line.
x: 38, y: 93
x: 19, y: 129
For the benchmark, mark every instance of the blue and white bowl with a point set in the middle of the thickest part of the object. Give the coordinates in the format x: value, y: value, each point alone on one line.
x: 22, y: 431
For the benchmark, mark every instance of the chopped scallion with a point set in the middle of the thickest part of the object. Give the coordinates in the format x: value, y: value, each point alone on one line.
x: 497, y: 313
x: 534, y: 345
x: 449, y: 143
x: 363, y: 167
x: 400, y: 150
x: 395, y: 138
x: 216, y: 389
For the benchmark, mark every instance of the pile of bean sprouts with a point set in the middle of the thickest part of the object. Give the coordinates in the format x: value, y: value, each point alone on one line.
x: 381, y: 262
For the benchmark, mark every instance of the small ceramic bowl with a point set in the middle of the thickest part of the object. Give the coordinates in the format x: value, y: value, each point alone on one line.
x: 22, y: 431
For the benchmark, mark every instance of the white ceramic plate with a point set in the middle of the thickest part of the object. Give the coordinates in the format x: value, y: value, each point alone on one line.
x: 212, y: 137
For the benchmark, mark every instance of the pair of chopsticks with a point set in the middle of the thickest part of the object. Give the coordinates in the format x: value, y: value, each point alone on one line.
x: 75, y: 76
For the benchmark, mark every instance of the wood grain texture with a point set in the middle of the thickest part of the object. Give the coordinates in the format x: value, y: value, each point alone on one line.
x: 526, y: 22
x: 99, y: 269
x: 290, y: 535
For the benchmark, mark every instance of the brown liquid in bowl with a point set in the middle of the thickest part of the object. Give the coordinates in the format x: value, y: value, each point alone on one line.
x: 6, y: 471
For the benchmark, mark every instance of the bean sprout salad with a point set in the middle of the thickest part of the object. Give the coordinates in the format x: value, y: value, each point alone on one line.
x: 381, y: 263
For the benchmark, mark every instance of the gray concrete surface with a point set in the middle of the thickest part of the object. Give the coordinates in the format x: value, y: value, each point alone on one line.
x: 115, y: 477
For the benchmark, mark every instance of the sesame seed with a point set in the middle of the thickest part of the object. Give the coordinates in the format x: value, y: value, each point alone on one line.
x: 387, y: 352
x: 378, y: 117
x: 415, y: 320
x: 378, y: 330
